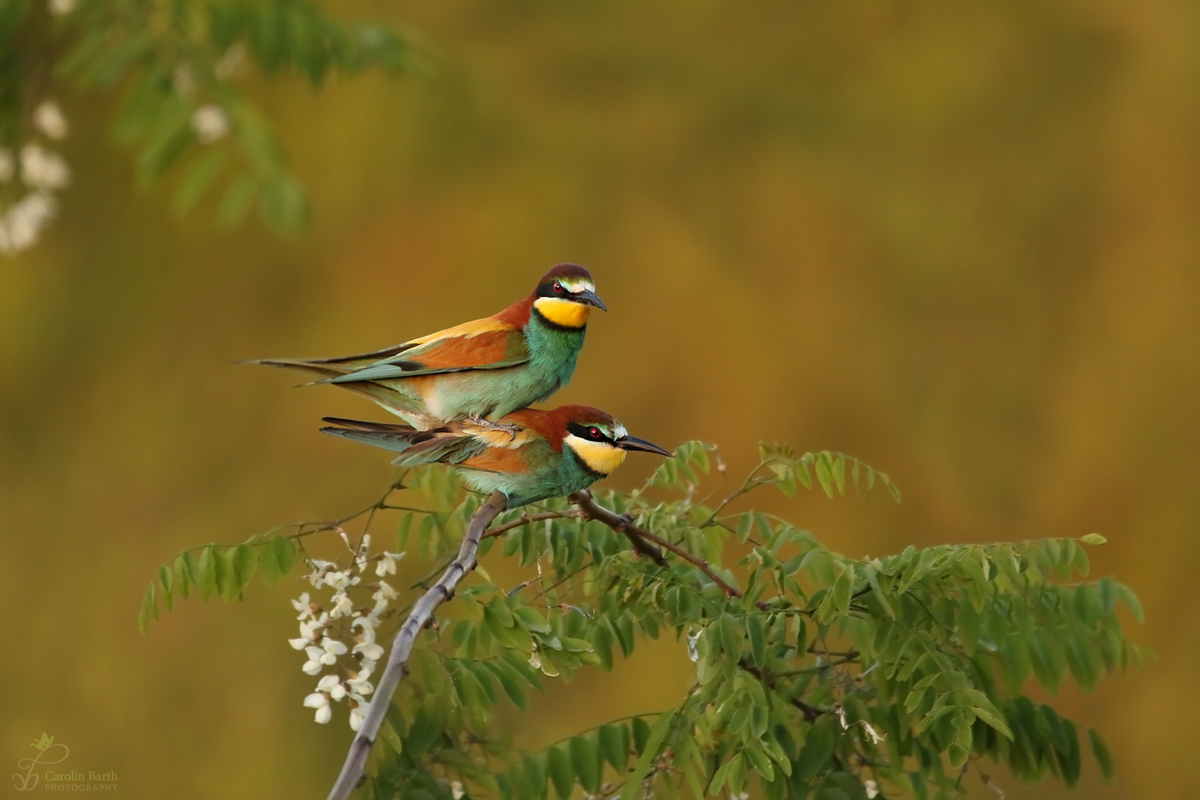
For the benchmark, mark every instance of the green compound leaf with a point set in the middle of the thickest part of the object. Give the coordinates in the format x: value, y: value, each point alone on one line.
x: 649, y: 752
x: 561, y: 773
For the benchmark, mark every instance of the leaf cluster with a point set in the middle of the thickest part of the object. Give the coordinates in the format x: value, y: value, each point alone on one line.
x: 170, y: 60
x: 217, y: 570
x: 816, y: 675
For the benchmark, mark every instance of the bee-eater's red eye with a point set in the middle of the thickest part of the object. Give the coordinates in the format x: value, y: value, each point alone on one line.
x: 594, y: 433
x: 558, y: 288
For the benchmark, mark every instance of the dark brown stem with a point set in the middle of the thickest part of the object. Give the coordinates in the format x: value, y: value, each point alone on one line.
x: 329, y: 525
x: 637, y: 537
x: 641, y: 536
x: 397, y: 665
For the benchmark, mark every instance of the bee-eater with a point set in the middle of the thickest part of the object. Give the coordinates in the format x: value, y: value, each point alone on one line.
x: 529, y: 455
x: 485, y: 368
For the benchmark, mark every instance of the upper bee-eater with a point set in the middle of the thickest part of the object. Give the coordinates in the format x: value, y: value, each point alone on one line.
x: 529, y: 455
x: 485, y: 368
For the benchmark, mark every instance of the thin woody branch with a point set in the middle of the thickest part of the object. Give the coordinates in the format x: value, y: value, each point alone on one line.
x: 637, y: 537
x: 529, y: 519
x: 397, y: 664
x: 640, y: 536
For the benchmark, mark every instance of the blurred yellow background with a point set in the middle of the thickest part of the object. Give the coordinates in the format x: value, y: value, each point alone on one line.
x: 958, y: 240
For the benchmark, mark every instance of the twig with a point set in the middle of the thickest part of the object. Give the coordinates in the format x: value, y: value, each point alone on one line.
x: 321, y: 526
x: 397, y: 665
x: 528, y: 519
x: 625, y: 525
x: 637, y: 537
x: 791, y: 673
x: 749, y: 484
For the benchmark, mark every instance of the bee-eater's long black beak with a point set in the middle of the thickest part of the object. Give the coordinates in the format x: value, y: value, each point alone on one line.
x: 589, y: 299
x: 634, y: 443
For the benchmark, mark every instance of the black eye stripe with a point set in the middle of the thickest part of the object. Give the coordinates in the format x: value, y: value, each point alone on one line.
x: 561, y: 290
x: 586, y: 432
x: 553, y: 289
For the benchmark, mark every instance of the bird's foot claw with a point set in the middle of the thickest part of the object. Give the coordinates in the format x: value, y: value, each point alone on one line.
x: 488, y: 425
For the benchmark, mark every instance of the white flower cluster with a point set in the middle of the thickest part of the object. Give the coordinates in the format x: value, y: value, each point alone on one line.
x: 340, y: 640
x: 41, y: 172
x: 210, y: 123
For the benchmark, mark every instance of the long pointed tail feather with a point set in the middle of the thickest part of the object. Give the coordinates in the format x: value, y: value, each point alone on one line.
x: 447, y: 445
x: 313, y: 367
x: 408, y: 409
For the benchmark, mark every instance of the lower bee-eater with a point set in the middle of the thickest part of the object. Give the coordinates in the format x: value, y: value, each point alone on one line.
x: 529, y: 455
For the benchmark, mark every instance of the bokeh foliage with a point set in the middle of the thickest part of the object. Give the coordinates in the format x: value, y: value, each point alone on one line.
x: 956, y: 239
x: 163, y: 62
x: 817, y: 675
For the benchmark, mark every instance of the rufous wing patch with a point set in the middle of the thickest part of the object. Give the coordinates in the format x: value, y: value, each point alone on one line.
x: 477, y: 349
x: 498, y: 459
x: 467, y: 329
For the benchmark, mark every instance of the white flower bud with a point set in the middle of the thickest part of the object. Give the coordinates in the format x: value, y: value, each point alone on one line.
x: 369, y: 650
x: 332, y: 686
x: 387, y: 564
x: 312, y: 667
x: 333, y: 648
x: 342, y: 605
x: 339, y: 581
x: 356, y: 717
x: 360, y: 685
x: 23, y: 224
x: 320, y: 702
x: 365, y: 622
x: 48, y: 118
x: 210, y: 123
x: 43, y: 169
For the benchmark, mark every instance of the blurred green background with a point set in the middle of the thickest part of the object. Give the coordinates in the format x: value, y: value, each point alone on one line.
x: 957, y: 240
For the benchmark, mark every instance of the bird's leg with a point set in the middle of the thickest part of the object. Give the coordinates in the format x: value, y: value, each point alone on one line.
x: 488, y: 425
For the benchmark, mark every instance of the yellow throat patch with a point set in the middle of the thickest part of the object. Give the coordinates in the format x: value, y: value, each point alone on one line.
x: 563, y: 312
x: 599, y: 457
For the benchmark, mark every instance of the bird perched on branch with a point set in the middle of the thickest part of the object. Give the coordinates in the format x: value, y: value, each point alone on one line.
x: 483, y: 369
x: 535, y: 455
